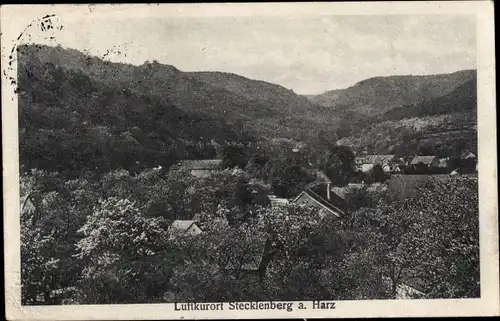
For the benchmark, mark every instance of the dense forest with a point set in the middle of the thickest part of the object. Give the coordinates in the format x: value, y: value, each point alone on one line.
x: 408, y: 115
x: 99, y: 195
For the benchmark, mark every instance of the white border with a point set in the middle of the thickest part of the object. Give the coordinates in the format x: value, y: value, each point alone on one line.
x: 15, y: 18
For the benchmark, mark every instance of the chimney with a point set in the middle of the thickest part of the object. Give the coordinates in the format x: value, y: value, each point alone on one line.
x: 328, y: 184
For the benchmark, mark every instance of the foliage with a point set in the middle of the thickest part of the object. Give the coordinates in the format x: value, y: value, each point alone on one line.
x: 51, y: 212
x: 363, y: 197
x: 288, y: 179
x: 377, y: 174
x: 441, y: 135
x: 119, y: 249
x: 111, y: 126
x: 233, y: 156
x: 338, y: 164
x: 125, y: 251
x: 432, y: 240
x: 97, y: 208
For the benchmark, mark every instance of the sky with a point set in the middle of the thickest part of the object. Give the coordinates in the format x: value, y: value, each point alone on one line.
x: 309, y: 55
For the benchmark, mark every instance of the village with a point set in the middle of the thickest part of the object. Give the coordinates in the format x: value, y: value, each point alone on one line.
x: 398, y: 177
x: 152, y: 180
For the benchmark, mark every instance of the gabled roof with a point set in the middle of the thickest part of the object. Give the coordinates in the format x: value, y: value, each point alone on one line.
x: 198, y: 164
x: 467, y: 155
x: 427, y: 160
x: 376, y: 159
x: 27, y: 203
x: 336, y: 204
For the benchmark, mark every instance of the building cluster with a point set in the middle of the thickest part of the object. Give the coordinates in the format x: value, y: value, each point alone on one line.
x: 392, y: 164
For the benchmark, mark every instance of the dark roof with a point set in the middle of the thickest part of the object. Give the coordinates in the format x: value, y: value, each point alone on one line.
x: 198, y: 164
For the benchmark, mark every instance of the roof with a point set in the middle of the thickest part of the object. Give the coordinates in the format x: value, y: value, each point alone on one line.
x: 376, y: 159
x: 198, y: 164
x: 277, y: 200
x: 466, y: 155
x: 182, y: 225
x: 317, y: 192
x: 427, y: 160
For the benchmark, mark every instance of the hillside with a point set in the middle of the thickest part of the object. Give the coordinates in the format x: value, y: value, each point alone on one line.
x: 442, y: 126
x: 442, y: 135
x: 70, y: 121
x: 408, y: 115
x: 124, y: 115
x: 251, y: 106
x: 379, y: 95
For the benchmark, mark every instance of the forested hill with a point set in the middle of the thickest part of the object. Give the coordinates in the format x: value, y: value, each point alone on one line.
x: 70, y: 121
x: 379, y: 95
x: 462, y: 99
x: 256, y: 90
x: 247, y: 105
x: 406, y: 130
x: 79, y: 111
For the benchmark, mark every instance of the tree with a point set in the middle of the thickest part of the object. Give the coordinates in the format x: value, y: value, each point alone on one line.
x: 287, y: 179
x: 377, y: 173
x: 51, y: 212
x: 357, y: 198
x: 450, y: 236
x: 317, y: 258
x: 124, y: 254
x: 432, y: 238
x: 233, y: 156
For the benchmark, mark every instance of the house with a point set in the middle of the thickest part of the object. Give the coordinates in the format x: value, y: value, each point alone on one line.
x: 185, y: 227
x: 322, y: 197
x: 366, y: 162
x: 198, y: 168
x: 424, y: 162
